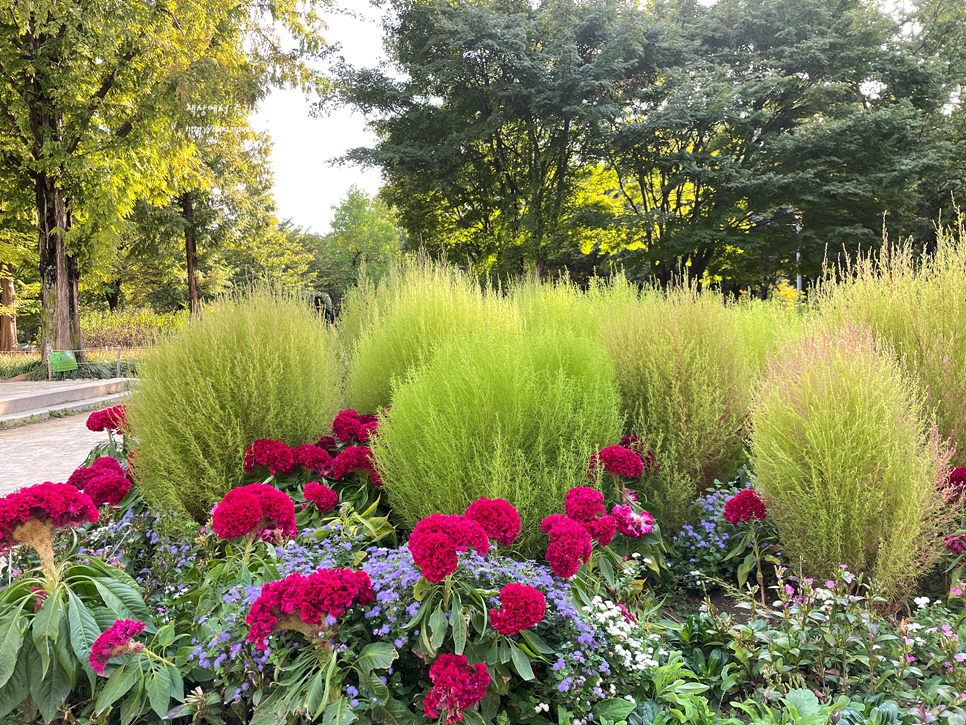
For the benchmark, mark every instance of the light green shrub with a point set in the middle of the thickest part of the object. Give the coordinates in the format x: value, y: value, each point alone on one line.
x: 685, y: 380
x: 139, y: 327
x: 399, y: 323
x: 501, y: 414
x: 916, y: 304
x: 257, y: 366
x: 845, y: 463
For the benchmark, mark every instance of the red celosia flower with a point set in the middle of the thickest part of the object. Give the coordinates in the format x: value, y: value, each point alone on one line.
x: 55, y: 504
x: 630, y: 524
x: 584, y: 504
x: 104, y: 464
x: 956, y: 544
x: 431, y: 556
x: 306, y: 603
x: 324, y: 498
x: 602, y: 529
x: 617, y: 460
x: 353, y: 458
x: 108, y: 488
x: 114, y: 642
x: 570, y: 544
x: 648, y: 458
x: 312, y: 458
x: 957, y: 477
x: 498, y: 518
x: 110, y: 419
x: 256, y: 507
x: 273, y: 455
x: 744, y: 506
x: 346, y: 425
x: 521, y: 607
x: 329, y: 444
x: 457, y: 686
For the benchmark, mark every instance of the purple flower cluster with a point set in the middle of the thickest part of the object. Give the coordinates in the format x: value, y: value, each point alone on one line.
x: 708, y: 539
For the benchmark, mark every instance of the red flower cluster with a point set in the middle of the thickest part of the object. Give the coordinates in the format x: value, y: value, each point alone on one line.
x: 256, y: 507
x: 744, y: 506
x: 110, y: 419
x: 570, y: 544
x: 324, y: 498
x: 55, y: 504
x: 436, y: 539
x: 631, y: 524
x: 647, y: 456
x: 457, y: 686
x: 956, y: 544
x: 348, y: 425
x: 277, y: 457
x: 499, y: 519
x: 354, y: 458
x: 108, y: 488
x: 617, y: 460
x: 306, y: 603
x: 329, y: 444
x: 521, y: 607
x: 312, y: 458
x: 101, y: 466
x: 957, y: 478
x: 583, y: 504
x: 114, y: 642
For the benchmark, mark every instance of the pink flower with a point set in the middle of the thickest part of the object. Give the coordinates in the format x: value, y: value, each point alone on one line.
x: 744, y: 506
x: 256, y: 507
x: 498, y: 518
x: 521, y: 607
x: 353, y: 458
x: 630, y: 524
x: 436, y: 539
x: 114, y: 642
x: 312, y: 458
x: 584, y: 504
x: 570, y: 544
x: 110, y: 419
x: 618, y: 461
x: 102, y: 465
x: 457, y: 686
x: 324, y: 498
x: 273, y: 455
x: 108, y: 488
x: 57, y: 505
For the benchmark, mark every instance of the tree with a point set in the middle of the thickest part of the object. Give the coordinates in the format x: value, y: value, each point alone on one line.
x: 91, y: 94
x: 483, y: 142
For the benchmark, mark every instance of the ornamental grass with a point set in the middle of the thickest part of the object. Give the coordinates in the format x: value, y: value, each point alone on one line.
x: 846, y: 463
x: 389, y: 328
x: 255, y: 366
x: 917, y: 305
x: 502, y: 415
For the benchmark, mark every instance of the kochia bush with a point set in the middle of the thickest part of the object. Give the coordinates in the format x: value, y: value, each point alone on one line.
x: 260, y: 366
x: 504, y: 415
x: 846, y: 463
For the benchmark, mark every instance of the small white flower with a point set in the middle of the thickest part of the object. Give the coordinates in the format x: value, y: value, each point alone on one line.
x: 921, y: 602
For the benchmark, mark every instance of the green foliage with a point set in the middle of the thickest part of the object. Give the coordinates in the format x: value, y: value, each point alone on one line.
x: 256, y: 366
x: 128, y: 327
x: 845, y: 463
x: 685, y: 380
x: 917, y: 305
x: 503, y: 415
x: 389, y: 328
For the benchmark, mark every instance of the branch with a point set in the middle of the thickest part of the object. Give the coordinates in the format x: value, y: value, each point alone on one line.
x: 97, y: 98
x: 14, y: 124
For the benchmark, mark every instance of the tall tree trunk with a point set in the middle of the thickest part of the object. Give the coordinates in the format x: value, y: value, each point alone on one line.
x: 55, y: 285
x: 77, y: 340
x: 191, y: 251
x: 8, y: 324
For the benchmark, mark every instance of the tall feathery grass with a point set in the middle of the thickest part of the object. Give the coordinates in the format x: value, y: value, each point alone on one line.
x: 685, y: 380
x: 259, y: 365
x: 846, y: 463
x: 398, y: 324
x: 502, y: 414
x: 917, y: 305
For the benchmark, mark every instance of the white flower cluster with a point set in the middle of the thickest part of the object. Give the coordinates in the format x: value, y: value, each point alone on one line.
x: 634, y: 649
x: 921, y: 602
x: 823, y: 594
x: 541, y: 707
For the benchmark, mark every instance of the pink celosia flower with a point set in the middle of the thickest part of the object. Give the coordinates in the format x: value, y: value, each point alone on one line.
x: 457, y: 686
x: 104, y: 464
x: 521, y: 607
x: 114, y: 642
x: 57, y: 505
x: 348, y: 425
x: 499, y: 519
x: 616, y: 460
x: 630, y: 524
x: 273, y: 455
x: 108, y: 488
x: 312, y: 458
x: 602, y: 529
x: 584, y: 504
x: 256, y: 507
x: 744, y: 506
x: 570, y: 544
x: 324, y: 498
x: 110, y: 419
x: 461, y: 532
x: 353, y: 458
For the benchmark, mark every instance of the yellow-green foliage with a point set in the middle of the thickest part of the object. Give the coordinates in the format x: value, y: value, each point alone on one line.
x: 685, y: 379
x: 258, y: 366
x: 400, y: 323
x: 128, y: 328
x: 502, y: 414
x: 918, y: 306
x: 844, y: 460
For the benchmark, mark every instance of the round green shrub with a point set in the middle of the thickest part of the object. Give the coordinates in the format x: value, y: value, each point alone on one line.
x: 845, y: 462
x: 508, y: 415
x: 263, y: 365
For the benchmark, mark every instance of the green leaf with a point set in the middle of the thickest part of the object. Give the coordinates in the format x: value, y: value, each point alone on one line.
x: 378, y: 689
x: 613, y: 709
x: 159, y: 689
x: 421, y: 589
x: 314, y: 695
x: 490, y: 706
x: 376, y: 656
x: 606, y: 568
x: 339, y: 713
x: 177, y: 684
x: 128, y: 606
x: 17, y: 687
x: 804, y: 701
x: 121, y: 680
x: 394, y: 713
x: 46, y: 626
x: 132, y: 706
x: 521, y: 663
x: 83, y: 632
x: 458, y: 622
x: 438, y: 625
x: 536, y: 642
x: 50, y: 691
x: 11, y: 640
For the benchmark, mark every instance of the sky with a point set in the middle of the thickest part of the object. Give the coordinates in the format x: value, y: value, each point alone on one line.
x: 307, y: 185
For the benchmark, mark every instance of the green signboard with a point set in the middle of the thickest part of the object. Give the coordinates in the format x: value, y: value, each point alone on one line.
x: 62, y: 362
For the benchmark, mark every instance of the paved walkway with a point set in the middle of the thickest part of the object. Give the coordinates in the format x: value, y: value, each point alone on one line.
x: 45, y: 451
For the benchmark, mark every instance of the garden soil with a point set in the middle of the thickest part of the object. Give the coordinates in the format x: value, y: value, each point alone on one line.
x: 46, y: 451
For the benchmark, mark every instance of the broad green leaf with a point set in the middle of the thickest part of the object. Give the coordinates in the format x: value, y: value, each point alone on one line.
x: 421, y: 589
x: 46, y: 626
x: 158, y: 686
x: 83, y: 632
x: 606, y: 569
x: 394, y: 713
x: 613, y: 709
x: 376, y: 656
x: 17, y: 687
x: 536, y: 642
x: 379, y: 690
x: 130, y: 599
x: 339, y: 713
x: 11, y: 640
x: 521, y: 663
x: 121, y: 680
x: 177, y: 684
x: 314, y: 692
x: 458, y: 621
x: 438, y: 625
x: 50, y: 691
